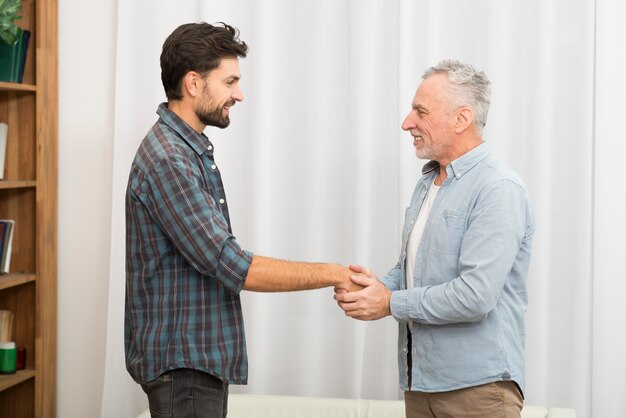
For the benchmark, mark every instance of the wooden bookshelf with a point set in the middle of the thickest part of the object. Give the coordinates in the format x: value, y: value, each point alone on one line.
x: 17, y: 87
x: 9, y: 380
x: 10, y: 280
x: 17, y: 184
x: 28, y: 195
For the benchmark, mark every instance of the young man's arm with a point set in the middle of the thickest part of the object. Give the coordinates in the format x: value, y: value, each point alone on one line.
x: 273, y: 275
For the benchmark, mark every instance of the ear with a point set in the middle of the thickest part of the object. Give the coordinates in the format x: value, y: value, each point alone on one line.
x: 191, y: 84
x: 464, y: 118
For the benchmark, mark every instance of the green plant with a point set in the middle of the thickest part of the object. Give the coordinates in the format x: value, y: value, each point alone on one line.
x: 9, y: 31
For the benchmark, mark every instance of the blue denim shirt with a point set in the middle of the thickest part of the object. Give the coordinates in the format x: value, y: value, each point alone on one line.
x: 469, y: 297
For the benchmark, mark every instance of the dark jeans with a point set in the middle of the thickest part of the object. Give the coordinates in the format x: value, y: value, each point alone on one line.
x: 187, y: 393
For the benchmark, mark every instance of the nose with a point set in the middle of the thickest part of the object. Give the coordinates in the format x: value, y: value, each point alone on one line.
x: 409, y: 122
x: 237, y: 94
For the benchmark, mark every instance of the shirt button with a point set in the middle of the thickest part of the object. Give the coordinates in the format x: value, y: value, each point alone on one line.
x: 213, y: 167
x: 412, y: 220
x: 405, y: 350
x: 222, y: 201
x: 210, y: 147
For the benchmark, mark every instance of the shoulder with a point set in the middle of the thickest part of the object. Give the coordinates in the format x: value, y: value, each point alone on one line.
x: 496, y: 184
x: 162, y: 144
x: 493, y: 171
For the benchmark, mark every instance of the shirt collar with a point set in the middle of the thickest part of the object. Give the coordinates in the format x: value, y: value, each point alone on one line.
x: 461, y: 165
x: 199, y: 142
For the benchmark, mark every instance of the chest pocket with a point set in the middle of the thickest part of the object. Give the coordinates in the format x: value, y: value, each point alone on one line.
x: 447, y: 233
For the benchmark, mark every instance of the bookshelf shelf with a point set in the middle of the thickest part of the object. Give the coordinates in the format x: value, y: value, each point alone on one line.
x: 9, y: 380
x: 17, y: 184
x: 29, y: 197
x: 11, y: 280
x: 4, y: 86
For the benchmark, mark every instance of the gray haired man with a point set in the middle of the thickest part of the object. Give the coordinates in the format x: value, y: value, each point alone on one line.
x: 459, y: 289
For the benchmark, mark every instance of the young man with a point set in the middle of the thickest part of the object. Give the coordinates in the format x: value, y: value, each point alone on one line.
x: 458, y: 291
x: 184, y: 334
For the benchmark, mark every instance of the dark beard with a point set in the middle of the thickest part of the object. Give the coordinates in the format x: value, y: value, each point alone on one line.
x: 213, y: 118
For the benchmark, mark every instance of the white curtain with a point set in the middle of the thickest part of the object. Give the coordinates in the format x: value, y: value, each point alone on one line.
x: 316, y: 168
x: 608, y: 280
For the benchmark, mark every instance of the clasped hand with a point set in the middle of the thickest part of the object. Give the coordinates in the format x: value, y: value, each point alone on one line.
x: 370, y: 302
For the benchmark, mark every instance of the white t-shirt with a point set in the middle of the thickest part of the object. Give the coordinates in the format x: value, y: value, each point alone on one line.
x: 415, y: 236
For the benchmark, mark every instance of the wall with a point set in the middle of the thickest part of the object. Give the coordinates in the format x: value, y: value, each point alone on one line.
x: 86, y: 82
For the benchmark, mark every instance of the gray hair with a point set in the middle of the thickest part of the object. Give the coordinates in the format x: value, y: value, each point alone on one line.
x: 468, y: 87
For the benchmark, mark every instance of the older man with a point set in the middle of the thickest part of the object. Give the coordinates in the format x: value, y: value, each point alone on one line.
x: 459, y: 288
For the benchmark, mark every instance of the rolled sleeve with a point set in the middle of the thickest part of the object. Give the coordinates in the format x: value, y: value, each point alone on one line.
x: 233, y: 266
x: 187, y: 213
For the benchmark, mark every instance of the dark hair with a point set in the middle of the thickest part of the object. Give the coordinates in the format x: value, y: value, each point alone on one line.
x: 197, y: 47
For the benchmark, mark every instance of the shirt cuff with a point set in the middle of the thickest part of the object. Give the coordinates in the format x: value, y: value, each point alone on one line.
x: 388, y: 282
x: 233, y: 265
x: 399, y: 305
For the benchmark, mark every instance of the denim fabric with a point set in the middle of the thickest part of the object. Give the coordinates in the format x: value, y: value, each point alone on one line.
x: 470, y: 294
x: 187, y: 393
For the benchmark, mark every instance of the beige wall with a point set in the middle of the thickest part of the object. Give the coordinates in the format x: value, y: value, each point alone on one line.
x: 86, y: 74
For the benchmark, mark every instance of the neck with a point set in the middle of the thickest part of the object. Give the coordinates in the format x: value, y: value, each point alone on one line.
x: 464, y: 148
x: 186, y: 113
x: 442, y: 175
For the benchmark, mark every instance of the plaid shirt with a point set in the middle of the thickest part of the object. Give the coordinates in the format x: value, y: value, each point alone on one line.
x: 184, y: 269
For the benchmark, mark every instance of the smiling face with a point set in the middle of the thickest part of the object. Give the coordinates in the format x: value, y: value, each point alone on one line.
x: 219, y: 93
x: 431, y: 120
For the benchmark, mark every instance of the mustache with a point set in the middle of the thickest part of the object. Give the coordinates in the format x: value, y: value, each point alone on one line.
x: 230, y: 103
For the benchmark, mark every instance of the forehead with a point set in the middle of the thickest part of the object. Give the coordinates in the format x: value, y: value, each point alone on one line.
x: 431, y: 91
x: 229, y: 67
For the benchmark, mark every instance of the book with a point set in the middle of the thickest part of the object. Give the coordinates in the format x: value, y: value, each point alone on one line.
x: 23, y: 51
x: 6, y: 325
x: 6, y: 244
x: 3, y: 228
x: 4, y: 130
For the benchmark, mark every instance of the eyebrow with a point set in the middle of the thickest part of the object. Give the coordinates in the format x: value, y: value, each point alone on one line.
x: 420, y: 107
x: 233, y: 77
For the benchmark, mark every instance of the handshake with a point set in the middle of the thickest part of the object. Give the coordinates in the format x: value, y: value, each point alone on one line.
x: 357, y: 291
x: 362, y: 296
